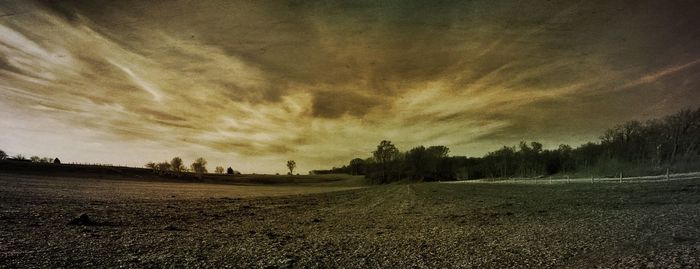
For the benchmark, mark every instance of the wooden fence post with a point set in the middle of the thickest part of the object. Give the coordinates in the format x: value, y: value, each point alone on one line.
x: 620, y: 177
x: 550, y: 179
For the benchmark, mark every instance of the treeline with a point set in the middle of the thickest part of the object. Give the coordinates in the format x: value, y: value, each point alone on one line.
x: 634, y: 148
x: 176, y: 167
x: 34, y: 159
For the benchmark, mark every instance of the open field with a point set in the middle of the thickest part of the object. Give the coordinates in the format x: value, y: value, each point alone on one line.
x: 336, y: 224
x: 110, y: 189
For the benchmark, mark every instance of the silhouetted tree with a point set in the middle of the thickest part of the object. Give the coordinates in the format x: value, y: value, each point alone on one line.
x: 3, y: 155
x: 436, y: 155
x: 56, y: 161
x: 291, y: 164
x: 153, y: 166
x: 19, y: 157
x: 163, y: 167
x: 385, y: 153
x: 176, y: 165
x: 229, y: 171
x: 199, y: 167
x: 35, y: 159
x: 565, y: 154
x: 683, y: 132
x: 416, y: 160
x: 219, y: 170
x: 357, y: 166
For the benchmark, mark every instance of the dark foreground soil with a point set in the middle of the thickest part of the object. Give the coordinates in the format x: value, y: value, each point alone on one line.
x: 430, y: 225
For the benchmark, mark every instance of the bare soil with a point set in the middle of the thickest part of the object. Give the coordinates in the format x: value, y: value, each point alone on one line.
x: 144, y: 224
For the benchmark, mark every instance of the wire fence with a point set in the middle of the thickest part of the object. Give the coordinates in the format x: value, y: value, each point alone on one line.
x: 592, y: 180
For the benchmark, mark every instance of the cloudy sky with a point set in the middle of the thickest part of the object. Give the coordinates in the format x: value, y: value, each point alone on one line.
x: 250, y: 84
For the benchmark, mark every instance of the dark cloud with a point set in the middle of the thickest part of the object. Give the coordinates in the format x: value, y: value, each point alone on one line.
x: 333, y: 104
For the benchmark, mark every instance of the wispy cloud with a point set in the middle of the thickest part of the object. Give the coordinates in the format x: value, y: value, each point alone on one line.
x: 662, y: 73
x: 255, y: 83
x: 140, y: 82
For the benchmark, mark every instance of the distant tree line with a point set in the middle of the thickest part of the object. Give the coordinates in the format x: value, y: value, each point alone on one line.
x: 176, y: 167
x: 173, y: 167
x: 641, y: 148
x: 22, y: 158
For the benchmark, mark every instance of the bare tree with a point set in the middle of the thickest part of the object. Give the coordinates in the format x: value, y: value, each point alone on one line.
x: 435, y: 154
x: 219, y: 170
x: 357, y: 166
x: 386, y: 152
x: 291, y: 164
x: 153, y: 166
x: 3, y: 155
x: 176, y: 165
x: 19, y: 157
x: 163, y: 167
x: 199, y: 167
x: 35, y: 159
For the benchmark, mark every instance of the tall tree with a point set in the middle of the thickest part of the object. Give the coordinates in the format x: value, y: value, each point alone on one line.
x: 386, y: 152
x: 357, y: 166
x: 3, y: 155
x: 199, y: 167
x: 163, y: 167
x: 436, y: 155
x: 416, y: 161
x: 176, y: 165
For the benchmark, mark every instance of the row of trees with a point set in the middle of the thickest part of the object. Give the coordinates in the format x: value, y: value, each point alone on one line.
x: 173, y: 167
x: 34, y: 159
x: 176, y: 167
x: 199, y: 167
x: 655, y: 146
x: 388, y: 164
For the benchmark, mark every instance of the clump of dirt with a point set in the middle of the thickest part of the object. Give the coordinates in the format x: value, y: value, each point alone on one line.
x: 172, y: 227
x: 83, y: 220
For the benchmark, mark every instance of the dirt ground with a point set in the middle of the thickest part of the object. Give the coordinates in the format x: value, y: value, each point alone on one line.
x: 427, y: 225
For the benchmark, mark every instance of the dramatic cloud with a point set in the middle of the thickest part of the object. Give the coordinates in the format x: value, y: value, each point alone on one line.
x: 253, y: 83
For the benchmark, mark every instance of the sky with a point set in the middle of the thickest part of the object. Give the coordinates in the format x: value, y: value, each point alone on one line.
x: 251, y: 84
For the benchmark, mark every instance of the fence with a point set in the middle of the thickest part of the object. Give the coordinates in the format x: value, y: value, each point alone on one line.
x: 620, y: 178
